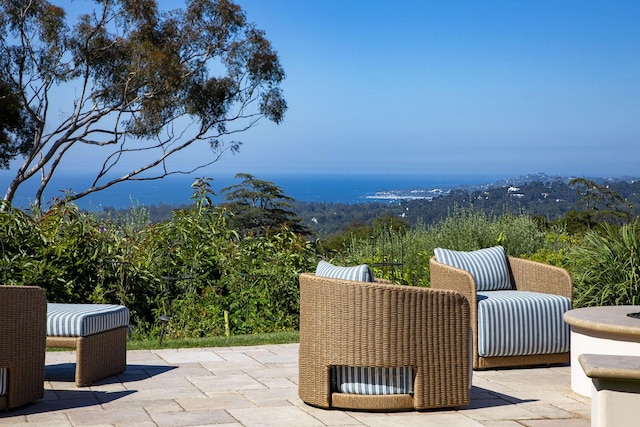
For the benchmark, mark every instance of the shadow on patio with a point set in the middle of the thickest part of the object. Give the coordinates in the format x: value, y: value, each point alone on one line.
x: 73, y: 398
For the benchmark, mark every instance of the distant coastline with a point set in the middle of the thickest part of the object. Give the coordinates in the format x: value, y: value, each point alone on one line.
x: 431, y: 193
x: 177, y: 191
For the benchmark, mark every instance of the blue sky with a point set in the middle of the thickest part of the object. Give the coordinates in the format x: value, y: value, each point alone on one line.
x: 447, y: 87
x: 509, y: 87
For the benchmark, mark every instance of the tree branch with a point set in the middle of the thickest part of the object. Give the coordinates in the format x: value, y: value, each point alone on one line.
x: 140, y: 80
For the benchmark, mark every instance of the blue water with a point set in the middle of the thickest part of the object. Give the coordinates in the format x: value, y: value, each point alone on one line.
x: 309, y: 188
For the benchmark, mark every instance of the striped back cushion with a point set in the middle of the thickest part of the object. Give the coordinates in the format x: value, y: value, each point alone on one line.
x: 363, y: 380
x: 488, y: 266
x: 521, y: 323
x: 360, y: 273
x: 79, y: 320
x: 4, y: 372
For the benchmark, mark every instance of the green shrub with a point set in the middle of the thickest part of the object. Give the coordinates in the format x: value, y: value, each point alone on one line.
x: 606, y: 266
x: 556, y: 248
x: 198, y: 270
x: 264, y: 293
x: 62, y: 250
x: 204, y: 270
x: 76, y: 258
x: 192, y: 267
x: 464, y: 229
x: 257, y: 287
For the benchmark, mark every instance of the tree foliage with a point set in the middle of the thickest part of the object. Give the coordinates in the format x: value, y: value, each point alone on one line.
x: 16, y: 128
x: 147, y: 85
x: 259, y: 205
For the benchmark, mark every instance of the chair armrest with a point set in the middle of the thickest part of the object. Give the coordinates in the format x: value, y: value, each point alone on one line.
x: 368, y: 324
x: 23, y: 331
x: 538, y: 277
x: 443, y: 276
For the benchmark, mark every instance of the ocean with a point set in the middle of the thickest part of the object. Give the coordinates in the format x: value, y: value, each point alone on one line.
x: 176, y: 190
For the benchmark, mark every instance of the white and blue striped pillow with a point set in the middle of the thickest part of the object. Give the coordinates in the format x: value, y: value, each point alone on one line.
x: 364, y: 380
x: 488, y: 266
x: 360, y: 273
x: 80, y: 320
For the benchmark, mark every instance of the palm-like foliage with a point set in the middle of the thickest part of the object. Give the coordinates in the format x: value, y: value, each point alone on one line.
x: 606, y: 266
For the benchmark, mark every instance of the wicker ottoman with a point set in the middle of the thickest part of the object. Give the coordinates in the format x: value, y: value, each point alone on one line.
x: 98, y: 333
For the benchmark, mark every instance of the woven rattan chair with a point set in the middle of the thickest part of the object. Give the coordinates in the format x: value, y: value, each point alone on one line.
x: 23, y: 318
x: 525, y: 275
x: 374, y: 324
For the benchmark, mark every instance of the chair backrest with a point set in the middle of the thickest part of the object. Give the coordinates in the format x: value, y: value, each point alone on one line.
x: 487, y: 266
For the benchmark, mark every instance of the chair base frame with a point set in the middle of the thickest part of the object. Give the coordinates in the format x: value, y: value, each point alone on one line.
x: 98, y: 356
x: 511, y: 361
x: 385, y: 403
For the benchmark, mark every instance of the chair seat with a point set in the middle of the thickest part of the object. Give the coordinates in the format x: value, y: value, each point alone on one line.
x: 520, y: 323
x: 80, y: 320
x: 375, y: 381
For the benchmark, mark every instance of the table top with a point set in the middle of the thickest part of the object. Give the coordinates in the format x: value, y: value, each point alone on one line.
x: 611, y: 319
x: 610, y: 366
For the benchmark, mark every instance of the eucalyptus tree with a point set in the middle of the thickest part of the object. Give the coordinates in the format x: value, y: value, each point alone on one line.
x: 129, y: 86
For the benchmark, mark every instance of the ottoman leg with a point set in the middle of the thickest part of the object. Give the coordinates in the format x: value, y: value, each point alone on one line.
x: 100, y: 356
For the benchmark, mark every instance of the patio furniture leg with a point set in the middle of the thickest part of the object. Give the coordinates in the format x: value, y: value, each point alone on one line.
x: 98, y: 356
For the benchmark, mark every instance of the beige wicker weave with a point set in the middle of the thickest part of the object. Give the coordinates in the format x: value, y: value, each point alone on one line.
x: 23, y: 330
x: 525, y: 276
x: 98, y: 356
x: 383, y: 325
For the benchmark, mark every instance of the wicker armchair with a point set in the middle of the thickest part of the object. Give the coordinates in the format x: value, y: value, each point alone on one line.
x: 381, y: 325
x: 524, y: 275
x: 23, y: 328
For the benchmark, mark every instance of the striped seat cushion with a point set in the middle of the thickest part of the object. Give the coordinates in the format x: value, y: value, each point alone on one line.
x: 4, y: 372
x: 519, y: 323
x: 79, y: 320
x: 487, y: 266
x: 360, y: 273
x: 363, y: 380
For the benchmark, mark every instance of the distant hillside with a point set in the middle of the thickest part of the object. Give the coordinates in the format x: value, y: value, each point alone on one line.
x: 541, y: 195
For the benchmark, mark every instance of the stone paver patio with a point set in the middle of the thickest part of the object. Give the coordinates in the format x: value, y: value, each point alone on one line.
x: 257, y: 386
